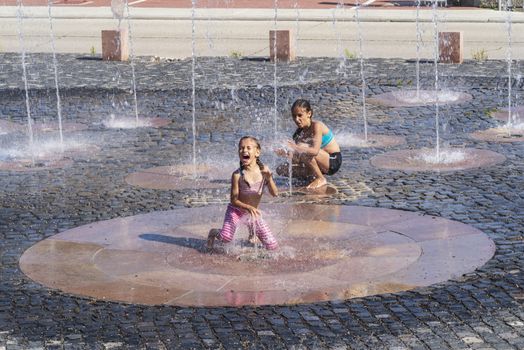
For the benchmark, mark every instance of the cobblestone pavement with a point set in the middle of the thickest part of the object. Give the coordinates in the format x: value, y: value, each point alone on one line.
x: 480, y: 310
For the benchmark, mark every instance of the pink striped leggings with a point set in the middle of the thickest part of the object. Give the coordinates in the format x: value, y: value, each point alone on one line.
x: 234, y: 216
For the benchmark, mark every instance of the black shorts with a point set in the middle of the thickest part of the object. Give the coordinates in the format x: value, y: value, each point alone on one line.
x: 335, y: 161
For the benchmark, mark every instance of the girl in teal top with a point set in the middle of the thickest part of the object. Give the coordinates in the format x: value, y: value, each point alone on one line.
x: 314, y: 152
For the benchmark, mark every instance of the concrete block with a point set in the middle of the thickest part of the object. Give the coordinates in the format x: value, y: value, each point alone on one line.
x: 115, y: 45
x: 451, y: 47
x: 285, y: 52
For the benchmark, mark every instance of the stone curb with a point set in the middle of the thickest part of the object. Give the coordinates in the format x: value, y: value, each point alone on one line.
x: 311, y: 15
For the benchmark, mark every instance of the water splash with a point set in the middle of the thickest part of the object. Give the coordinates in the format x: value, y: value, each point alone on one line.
x: 519, y: 106
x: 20, y: 15
x: 275, y: 90
x: 193, y: 86
x: 441, y: 157
x: 297, y: 24
x: 132, y: 60
x: 512, y: 128
x: 509, y: 59
x: 425, y: 96
x: 436, y: 57
x: 48, y: 149
x: 419, y: 39
x: 235, y: 100
x: 342, y: 64
x: 248, y: 253
x: 55, y: 66
x: 303, y: 76
x: 209, y: 37
x: 290, y: 171
x: 362, y: 75
x: 117, y: 9
x: 125, y: 123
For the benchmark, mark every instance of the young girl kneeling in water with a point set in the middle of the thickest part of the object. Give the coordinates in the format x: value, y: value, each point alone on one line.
x: 247, y: 183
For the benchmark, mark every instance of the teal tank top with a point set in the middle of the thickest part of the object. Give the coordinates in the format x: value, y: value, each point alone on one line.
x: 326, y: 139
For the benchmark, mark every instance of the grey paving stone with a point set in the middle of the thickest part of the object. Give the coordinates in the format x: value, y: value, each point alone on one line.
x: 485, y: 304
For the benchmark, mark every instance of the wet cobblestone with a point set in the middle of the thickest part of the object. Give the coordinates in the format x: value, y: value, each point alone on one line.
x: 480, y: 310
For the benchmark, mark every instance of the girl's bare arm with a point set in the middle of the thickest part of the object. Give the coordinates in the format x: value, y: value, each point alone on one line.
x: 268, y: 177
x: 309, y: 149
x: 273, y: 190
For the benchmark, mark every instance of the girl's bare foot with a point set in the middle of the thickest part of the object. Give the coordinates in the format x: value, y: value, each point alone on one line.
x: 212, y: 235
x: 318, y: 182
x: 253, y: 239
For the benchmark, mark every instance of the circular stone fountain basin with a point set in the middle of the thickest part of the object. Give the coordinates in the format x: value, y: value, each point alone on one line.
x: 327, y: 190
x: 325, y: 252
x: 407, y: 98
x: 373, y: 140
x: 7, y: 127
x: 500, y: 134
x: 53, y: 126
x: 27, y: 165
x: 47, y: 155
x: 181, y: 177
x: 132, y: 122
x: 452, y: 159
x: 517, y: 114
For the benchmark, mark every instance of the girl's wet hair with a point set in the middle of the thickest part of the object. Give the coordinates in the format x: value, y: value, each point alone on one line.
x: 254, y: 139
x: 302, y: 103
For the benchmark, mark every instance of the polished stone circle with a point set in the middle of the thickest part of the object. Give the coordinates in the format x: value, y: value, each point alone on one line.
x: 407, y: 98
x: 7, y: 127
x: 373, y: 140
x: 414, y: 160
x: 208, y: 176
x: 132, y: 122
x: 53, y: 126
x: 27, y: 165
x: 326, y: 252
x: 517, y: 114
x: 500, y: 134
x: 181, y: 176
x: 52, y: 158
x: 323, y: 191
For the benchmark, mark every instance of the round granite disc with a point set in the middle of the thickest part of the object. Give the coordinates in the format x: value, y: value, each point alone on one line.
x: 7, y: 127
x: 47, y: 155
x: 54, y: 127
x: 407, y: 98
x: 27, y: 165
x: 373, y: 140
x: 181, y: 176
x: 501, y: 134
x: 133, y: 122
x: 423, y: 159
x: 517, y: 114
x: 326, y: 252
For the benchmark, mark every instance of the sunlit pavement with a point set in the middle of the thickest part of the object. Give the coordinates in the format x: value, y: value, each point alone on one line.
x: 232, y: 28
x: 234, y: 97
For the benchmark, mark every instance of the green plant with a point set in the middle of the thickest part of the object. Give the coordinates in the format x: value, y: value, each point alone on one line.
x: 92, y: 51
x: 349, y: 55
x: 479, y: 55
x: 235, y: 54
x: 489, y: 111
